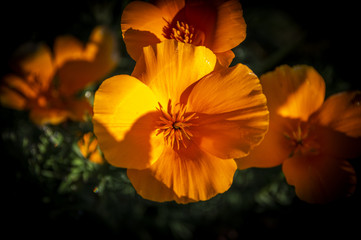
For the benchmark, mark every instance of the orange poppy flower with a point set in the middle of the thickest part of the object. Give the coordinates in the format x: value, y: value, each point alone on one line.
x: 176, y: 124
x: 216, y: 24
x: 46, y: 84
x: 88, y: 146
x: 310, y: 137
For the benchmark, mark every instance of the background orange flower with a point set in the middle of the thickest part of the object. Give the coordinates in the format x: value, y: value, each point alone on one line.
x: 312, y: 139
x: 216, y: 24
x: 46, y: 83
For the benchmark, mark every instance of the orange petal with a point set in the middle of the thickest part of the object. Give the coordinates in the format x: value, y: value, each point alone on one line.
x: 272, y: 151
x: 42, y: 116
x: 170, y: 8
x: 342, y: 112
x: 320, y: 179
x: 170, y: 67
x: 150, y: 188
x: 230, y: 27
x: 12, y: 99
x: 124, y: 122
x: 67, y: 48
x: 78, y: 108
x: 232, y: 112
x: 21, y: 86
x: 143, y: 16
x: 225, y: 58
x: 35, y: 62
x: 100, y: 57
x: 293, y: 92
x: 190, y: 173
x: 135, y: 40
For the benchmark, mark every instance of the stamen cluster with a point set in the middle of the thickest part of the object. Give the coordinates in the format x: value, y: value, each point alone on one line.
x: 175, y: 124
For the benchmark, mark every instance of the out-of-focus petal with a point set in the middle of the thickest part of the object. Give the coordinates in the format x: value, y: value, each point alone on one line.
x: 124, y: 122
x: 20, y: 85
x: 320, y: 179
x: 170, y: 67
x: 12, y: 99
x: 191, y: 173
x: 230, y: 27
x: 100, y: 57
x: 42, y: 116
x: 35, y: 63
x: 342, y: 112
x: 78, y: 108
x: 67, y: 48
x: 295, y: 92
x: 232, y: 112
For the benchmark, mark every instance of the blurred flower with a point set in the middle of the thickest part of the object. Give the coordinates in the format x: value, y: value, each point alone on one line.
x: 178, y: 129
x: 88, y: 146
x: 46, y: 84
x: 310, y: 137
x: 216, y: 24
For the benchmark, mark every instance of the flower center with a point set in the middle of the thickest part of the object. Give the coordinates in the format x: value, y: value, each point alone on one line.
x: 183, y: 32
x: 301, y: 140
x: 175, y: 123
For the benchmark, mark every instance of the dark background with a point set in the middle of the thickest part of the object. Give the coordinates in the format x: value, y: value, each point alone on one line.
x: 324, y: 34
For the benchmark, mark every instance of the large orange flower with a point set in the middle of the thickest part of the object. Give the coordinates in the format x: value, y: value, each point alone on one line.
x: 310, y: 137
x: 216, y: 24
x: 46, y: 84
x: 176, y: 125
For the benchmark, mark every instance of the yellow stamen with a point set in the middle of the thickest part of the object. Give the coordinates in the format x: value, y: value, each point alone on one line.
x: 181, y: 32
x: 175, y: 123
x: 301, y: 141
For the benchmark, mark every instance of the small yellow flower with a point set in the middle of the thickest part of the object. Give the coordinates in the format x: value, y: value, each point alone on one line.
x: 88, y: 146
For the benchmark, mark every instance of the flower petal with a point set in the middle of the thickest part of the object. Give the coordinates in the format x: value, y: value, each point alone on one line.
x: 225, y: 58
x: 143, y: 16
x: 12, y: 99
x: 170, y: 8
x: 78, y: 108
x: 42, y: 116
x: 34, y: 61
x: 99, y: 58
x: 232, y: 112
x: 293, y: 92
x: 272, y: 151
x: 191, y: 173
x: 124, y: 122
x: 325, y: 175
x: 67, y: 48
x: 135, y: 40
x: 230, y: 27
x: 21, y: 86
x: 320, y: 179
x: 342, y: 112
x: 170, y: 67
x: 150, y: 188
